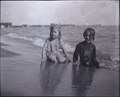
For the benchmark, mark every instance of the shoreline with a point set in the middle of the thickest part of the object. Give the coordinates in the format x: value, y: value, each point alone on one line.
x: 22, y: 75
x: 7, y: 53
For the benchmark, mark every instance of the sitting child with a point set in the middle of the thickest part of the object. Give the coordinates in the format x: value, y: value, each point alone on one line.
x: 53, y: 50
x: 86, y: 49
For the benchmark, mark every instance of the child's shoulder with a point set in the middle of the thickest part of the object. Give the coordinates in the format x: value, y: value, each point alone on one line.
x: 47, y: 40
x: 61, y: 40
x: 80, y: 44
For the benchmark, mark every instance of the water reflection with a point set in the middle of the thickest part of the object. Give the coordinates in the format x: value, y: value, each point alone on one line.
x: 81, y: 79
x: 51, y: 75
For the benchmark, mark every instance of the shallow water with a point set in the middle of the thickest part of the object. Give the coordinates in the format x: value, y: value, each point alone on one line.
x: 106, y: 41
x: 25, y: 79
x: 23, y: 75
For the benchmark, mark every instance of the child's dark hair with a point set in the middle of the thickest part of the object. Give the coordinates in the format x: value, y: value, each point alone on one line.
x: 92, y: 32
x: 52, y: 26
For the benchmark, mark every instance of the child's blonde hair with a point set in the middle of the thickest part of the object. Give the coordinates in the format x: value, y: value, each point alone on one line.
x: 55, y: 26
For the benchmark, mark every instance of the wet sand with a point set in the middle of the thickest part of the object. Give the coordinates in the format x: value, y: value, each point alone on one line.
x: 24, y: 75
x: 6, y: 53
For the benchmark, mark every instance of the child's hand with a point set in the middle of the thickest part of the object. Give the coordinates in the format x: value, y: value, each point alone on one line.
x: 68, y: 60
x: 74, y: 63
x: 42, y: 62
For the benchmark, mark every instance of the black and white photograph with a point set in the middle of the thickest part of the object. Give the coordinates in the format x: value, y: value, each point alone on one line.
x: 59, y: 48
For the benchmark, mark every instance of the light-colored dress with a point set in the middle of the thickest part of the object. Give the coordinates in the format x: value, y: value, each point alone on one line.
x: 53, y: 51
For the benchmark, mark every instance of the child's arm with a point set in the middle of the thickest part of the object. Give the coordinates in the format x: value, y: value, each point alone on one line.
x: 43, y: 54
x: 95, y: 62
x: 94, y: 52
x: 76, y: 53
x: 63, y: 48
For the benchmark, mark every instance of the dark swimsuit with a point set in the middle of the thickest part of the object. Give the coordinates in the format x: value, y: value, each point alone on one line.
x: 87, y: 53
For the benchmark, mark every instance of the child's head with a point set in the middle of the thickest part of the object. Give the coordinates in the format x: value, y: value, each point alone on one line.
x: 55, y: 31
x: 89, y: 35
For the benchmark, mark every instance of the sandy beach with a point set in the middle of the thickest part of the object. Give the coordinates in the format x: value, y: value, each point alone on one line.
x: 22, y: 74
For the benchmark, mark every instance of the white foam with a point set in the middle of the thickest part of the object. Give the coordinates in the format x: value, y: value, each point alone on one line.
x: 69, y: 48
x: 14, y: 35
x: 114, y: 58
x: 38, y: 41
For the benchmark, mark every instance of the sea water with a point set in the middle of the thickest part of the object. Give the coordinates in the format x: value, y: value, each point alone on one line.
x: 106, y: 40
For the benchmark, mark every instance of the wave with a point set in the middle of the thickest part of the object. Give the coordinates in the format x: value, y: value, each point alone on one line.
x: 114, y: 58
x: 107, y: 61
x: 37, y: 41
x: 40, y: 42
x: 14, y: 35
x: 110, y: 65
x: 69, y: 48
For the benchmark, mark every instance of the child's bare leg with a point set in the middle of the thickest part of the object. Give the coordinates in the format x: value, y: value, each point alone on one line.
x: 60, y: 57
x: 52, y: 58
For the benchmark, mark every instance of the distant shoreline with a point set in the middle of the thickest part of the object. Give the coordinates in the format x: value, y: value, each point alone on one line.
x: 62, y: 25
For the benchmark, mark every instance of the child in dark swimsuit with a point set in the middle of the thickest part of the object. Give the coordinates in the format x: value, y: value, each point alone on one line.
x: 86, y: 49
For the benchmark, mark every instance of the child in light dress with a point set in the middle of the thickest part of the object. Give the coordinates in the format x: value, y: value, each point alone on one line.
x: 53, y: 49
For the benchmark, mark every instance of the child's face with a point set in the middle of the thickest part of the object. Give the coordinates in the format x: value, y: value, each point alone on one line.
x: 88, y: 37
x: 55, y: 33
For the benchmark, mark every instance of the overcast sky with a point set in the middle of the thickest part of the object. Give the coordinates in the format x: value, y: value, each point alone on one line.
x: 64, y: 12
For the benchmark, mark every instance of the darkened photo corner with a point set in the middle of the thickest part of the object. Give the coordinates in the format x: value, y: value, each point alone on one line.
x: 59, y: 48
